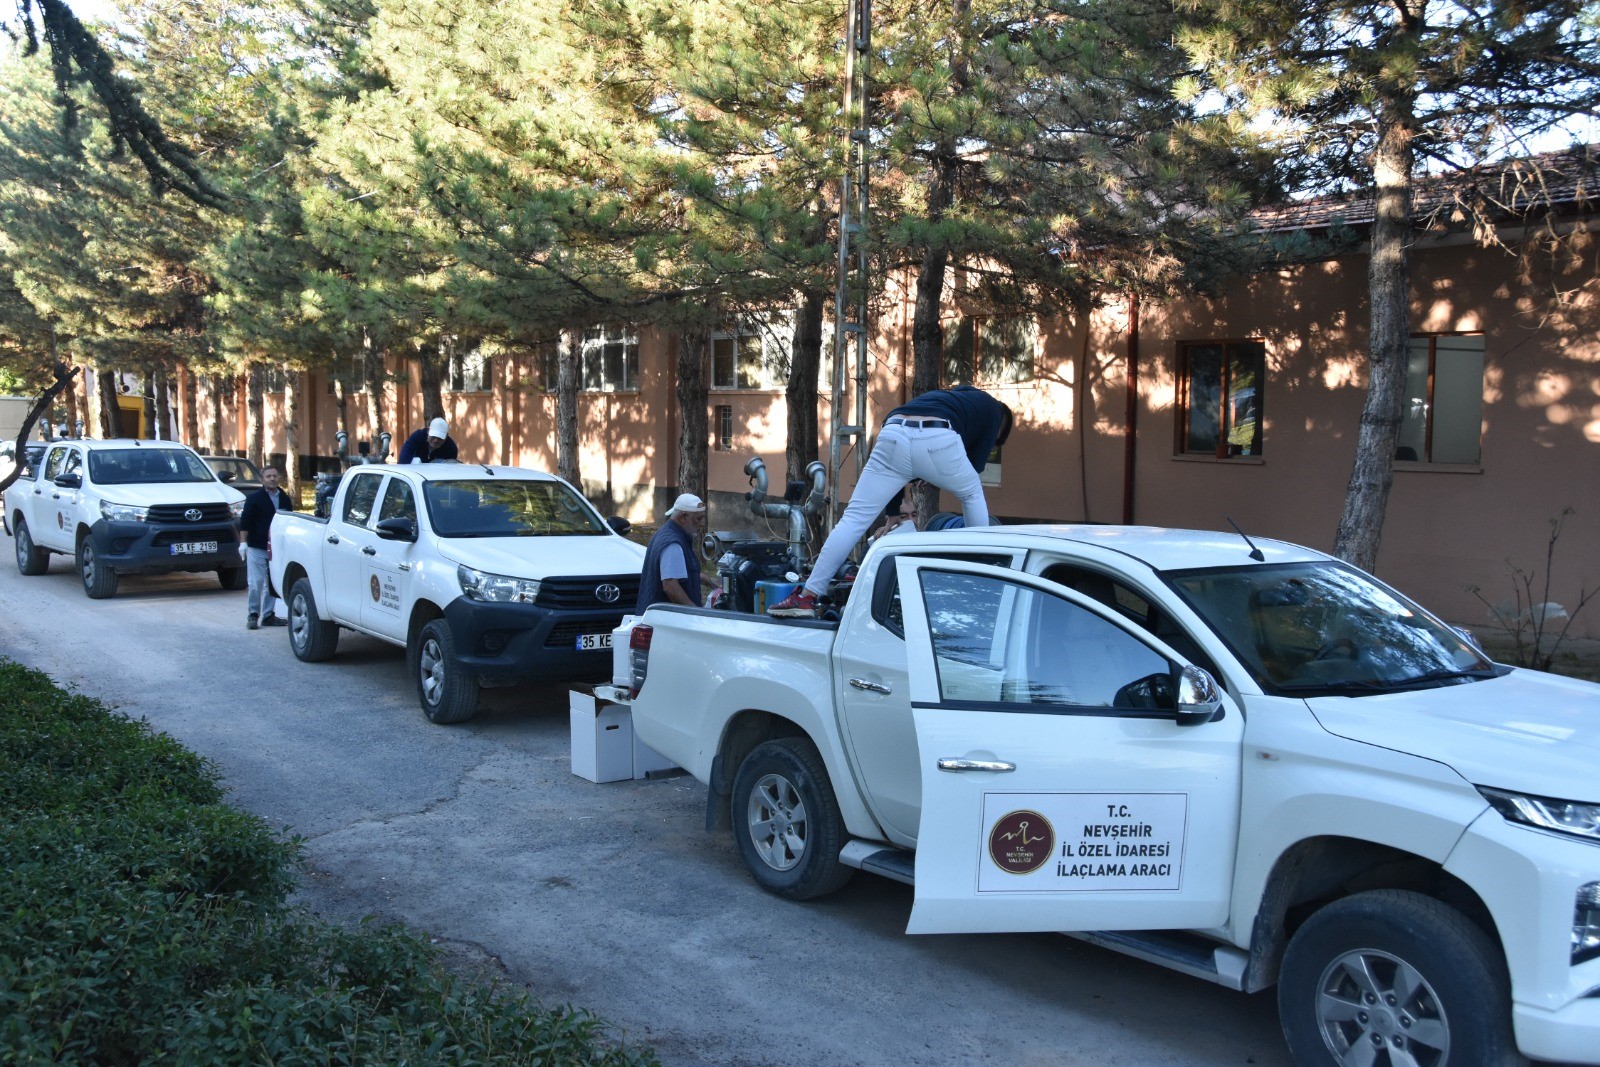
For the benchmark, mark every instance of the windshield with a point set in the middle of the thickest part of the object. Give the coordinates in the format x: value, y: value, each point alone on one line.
x: 505, y: 508
x: 1310, y: 628
x: 137, y: 466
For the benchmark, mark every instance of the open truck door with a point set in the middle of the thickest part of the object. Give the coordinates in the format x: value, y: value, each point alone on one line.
x: 1072, y: 778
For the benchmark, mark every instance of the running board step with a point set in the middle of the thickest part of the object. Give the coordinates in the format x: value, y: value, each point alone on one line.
x: 1188, y: 953
x: 895, y: 863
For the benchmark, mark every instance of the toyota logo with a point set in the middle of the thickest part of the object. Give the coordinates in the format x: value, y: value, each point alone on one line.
x: 193, y: 514
x: 607, y: 594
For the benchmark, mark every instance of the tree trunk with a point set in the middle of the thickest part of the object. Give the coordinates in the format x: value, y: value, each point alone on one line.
x: 63, y: 380
x: 163, y: 400
x: 567, y: 375
x: 375, y: 375
x: 692, y: 392
x: 106, y: 386
x: 191, y: 417
x: 1388, y: 288
x: 255, y: 406
x: 341, y: 403
x: 214, y: 418
x: 292, y: 392
x: 148, y: 398
x: 805, y: 360
x: 429, y: 356
x: 70, y: 396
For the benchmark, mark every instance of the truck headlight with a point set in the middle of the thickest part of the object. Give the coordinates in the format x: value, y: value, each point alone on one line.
x: 1586, y: 924
x: 236, y: 508
x: 496, y: 588
x: 1562, y: 816
x: 122, y: 512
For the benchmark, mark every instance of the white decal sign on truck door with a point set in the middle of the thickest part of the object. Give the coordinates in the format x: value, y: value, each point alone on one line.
x: 1082, y: 842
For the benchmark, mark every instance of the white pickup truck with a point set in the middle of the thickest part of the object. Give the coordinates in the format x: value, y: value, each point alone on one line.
x: 125, y: 507
x: 486, y: 575
x: 1252, y: 763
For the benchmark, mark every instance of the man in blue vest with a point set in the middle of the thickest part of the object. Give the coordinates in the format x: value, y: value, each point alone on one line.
x: 671, y: 572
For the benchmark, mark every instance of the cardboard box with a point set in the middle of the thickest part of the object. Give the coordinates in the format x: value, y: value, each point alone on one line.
x: 602, y: 738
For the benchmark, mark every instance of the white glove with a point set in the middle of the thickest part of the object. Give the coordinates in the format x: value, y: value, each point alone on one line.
x: 244, y: 550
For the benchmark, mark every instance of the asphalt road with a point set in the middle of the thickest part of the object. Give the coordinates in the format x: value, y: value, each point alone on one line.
x: 612, y: 897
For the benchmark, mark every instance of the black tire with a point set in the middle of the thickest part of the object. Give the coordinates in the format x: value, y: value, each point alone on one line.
x: 1342, y: 969
x: 99, y: 581
x: 448, y: 691
x: 31, y: 559
x: 312, y: 638
x: 786, y: 821
x: 232, y: 578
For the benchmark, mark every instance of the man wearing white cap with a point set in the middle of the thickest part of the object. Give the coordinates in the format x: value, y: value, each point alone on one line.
x: 428, y: 444
x: 671, y: 572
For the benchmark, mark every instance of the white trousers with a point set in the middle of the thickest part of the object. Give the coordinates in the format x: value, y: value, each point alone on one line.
x: 260, y: 600
x: 902, y: 453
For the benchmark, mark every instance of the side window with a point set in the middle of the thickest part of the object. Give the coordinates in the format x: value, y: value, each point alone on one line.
x: 359, y: 500
x: 53, y: 465
x: 398, y: 502
x: 886, y: 607
x: 73, y: 463
x: 999, y: 641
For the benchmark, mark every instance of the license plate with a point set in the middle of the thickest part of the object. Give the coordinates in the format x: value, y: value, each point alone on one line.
x: 194, y: 548
x: 589, y: 642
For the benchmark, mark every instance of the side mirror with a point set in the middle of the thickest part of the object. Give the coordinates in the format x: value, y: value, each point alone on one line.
x: 69, y: 481
x: 397, y: 530
x: 619, y: 524
x: 225, y: 476
x: 1199, y: 699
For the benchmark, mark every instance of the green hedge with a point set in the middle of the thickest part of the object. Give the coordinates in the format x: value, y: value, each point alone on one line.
x: 143, y: 920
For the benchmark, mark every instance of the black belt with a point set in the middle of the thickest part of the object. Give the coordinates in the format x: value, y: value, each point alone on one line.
x: 913, y: 420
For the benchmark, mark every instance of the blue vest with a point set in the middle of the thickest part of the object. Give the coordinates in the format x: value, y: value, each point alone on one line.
x: 650, y: 591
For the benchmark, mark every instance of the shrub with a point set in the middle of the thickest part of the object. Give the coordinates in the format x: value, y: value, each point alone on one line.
x: 142, y: 919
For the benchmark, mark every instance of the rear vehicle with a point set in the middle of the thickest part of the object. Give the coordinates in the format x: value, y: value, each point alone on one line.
x: 236, y: 471
x: 485, y: 575
x: 123, y: 507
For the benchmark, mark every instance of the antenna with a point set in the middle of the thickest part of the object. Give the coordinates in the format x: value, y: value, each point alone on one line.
x: 1255, y: 553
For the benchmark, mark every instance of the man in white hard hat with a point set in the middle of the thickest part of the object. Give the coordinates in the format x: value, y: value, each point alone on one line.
x: 671, y: 573
x: 431, y: 442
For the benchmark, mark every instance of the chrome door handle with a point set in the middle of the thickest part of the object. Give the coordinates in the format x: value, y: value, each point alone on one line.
x: 333, y: 539
x: 997, y: 766
x: 871, y: 687
x: 368, y: 550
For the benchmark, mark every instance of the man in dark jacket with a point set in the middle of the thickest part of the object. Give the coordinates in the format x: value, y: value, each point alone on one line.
x: 255, y: 526
x: 944, y: 438
x: 671, y: 573
x: 429, y: 443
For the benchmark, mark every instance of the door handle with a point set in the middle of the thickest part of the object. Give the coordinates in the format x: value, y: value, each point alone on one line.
x: 55, y: 496
x: 997, y: 766
x: 333, y: 539
x: 871, y: 687
x: 368, y: 550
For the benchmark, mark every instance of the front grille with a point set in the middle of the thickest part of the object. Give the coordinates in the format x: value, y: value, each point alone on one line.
x: 174, y: 513
x: 580, y: 592
x: 566, y: 634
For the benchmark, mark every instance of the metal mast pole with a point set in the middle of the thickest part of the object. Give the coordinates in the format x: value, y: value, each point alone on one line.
x: 851, y: 289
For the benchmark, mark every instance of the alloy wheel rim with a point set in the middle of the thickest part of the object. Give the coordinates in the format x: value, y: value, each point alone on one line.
x: 432, y: 672
x: 1371, y: 1002
x: 776, y: 817
x: 299, y: 623
x: 24, y: 544
x: 88, y: 563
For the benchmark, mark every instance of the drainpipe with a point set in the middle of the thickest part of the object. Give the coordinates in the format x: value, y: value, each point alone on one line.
x: 1130, y: 449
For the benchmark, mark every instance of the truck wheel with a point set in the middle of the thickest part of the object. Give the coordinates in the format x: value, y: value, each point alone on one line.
x: 232, y: 578
x: 99, y: 581
x: 449, y: 692
x: 31, y: 559
x: 1396, y: 973
x: 786, y: 821
x: 311, y: 638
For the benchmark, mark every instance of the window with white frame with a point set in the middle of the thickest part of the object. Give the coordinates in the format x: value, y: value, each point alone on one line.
x: 1219, y: 397
x: 610, y: 359
x: 1443, y: 417
x: 753, y: 355
x: 990, y: 350
x: 471, y: 372
x: 723, y: 425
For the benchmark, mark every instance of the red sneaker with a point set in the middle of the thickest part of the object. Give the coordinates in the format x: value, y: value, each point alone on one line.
x: 797, y: 605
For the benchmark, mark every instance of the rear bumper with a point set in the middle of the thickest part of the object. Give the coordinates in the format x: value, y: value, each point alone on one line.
x: 506, y: 643
x: 147, y: 548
